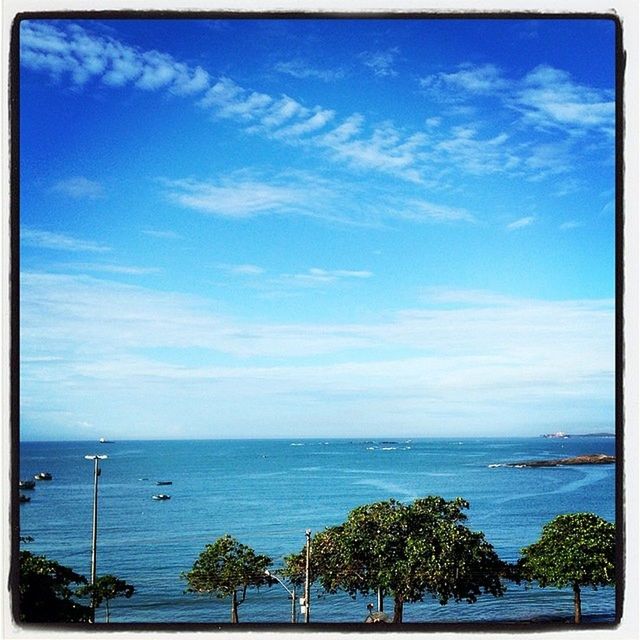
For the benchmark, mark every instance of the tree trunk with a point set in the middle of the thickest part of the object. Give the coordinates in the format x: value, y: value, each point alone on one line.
x: 106, y: 606
x: 397, y: 609
x: 577, y: 606
x: 234, y: 607
x: 380, y: 599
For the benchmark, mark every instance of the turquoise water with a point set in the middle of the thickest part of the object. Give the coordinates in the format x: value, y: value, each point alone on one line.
x: 266, y: 493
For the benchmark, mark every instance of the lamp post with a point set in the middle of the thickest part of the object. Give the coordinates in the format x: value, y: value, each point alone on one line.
x: 307, y: 580
x: 291, y: 592
x: 94, y: 538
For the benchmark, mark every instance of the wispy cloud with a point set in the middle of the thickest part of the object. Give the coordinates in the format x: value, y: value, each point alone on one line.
x: 484, y: 79
x: 424, y: 211
x: 549, y: 97
x: 80, y: 187
x: 235, y: 197
x: 242, y: 269
x: 302, y: 70
x: 571, y: 224
x: 556, y: 356
x: 103, y: 267
x: 245, y: 194
x: 381, y: 62
x: 59, y: 241
x: 520, y: 223
x: 545, y: 98
x: 316, y: 276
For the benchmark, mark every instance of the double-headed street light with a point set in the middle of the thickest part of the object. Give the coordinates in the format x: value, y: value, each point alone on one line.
x: 96, y: 473
x: 292, y: 593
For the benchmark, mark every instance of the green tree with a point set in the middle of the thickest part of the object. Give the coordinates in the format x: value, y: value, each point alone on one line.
x: 228, y: 568
x: 45, y: 593
x: 575, y: 550
x: 105, y: 589
x: 405, y: 551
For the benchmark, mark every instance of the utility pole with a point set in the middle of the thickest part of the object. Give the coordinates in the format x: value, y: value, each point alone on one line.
x: 94, y: 537
x: 293, y: 604
x: 307, y: 581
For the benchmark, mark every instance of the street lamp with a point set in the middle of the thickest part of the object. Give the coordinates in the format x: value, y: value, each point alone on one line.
x: 94, y: 539
x: 307, y: 578
x: 292, y: 593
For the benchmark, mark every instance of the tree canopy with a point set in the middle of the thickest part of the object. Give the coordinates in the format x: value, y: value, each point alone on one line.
x: 407, y: 551
x: 228, y: 568
x: 576, y: 550
x: 45, y: 592
x: 105, y: 589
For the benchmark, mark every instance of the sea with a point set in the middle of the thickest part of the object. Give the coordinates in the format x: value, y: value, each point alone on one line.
x: 267, y: 493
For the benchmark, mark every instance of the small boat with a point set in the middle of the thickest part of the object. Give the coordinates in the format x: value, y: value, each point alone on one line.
x: 105, y: 441
x: 24, y: 498
x: 163, y: 482
x: 43, y: 475
x: 26, y: 484
x: 161, y: 496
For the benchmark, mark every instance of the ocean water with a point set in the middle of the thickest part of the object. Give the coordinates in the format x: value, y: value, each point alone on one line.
x: 266, y: 493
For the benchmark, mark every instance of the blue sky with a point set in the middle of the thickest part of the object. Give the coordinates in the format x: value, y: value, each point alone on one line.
x: 300, y: 228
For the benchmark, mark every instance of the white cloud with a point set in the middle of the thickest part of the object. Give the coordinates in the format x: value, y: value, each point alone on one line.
x: 546, y: 98
x: 381, y: 62
x: 317, y: 121
x: 80, y: 188
x: 301, y: 70
x: 59, y: 241
x: 550, y: 97
x: 103, y: 267
x: 424, y: 211
x: 236, y: 196
x: 520, y: 223
x: 316, y: 276
x: 82, y: 334
x: 483, y: 79
x: 242, y: 269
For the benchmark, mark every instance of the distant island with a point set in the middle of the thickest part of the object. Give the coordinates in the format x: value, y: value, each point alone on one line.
x: 562, y: 435
x: 593, y: 458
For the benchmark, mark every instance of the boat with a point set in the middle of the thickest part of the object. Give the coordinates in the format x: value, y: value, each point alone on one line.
x: 105, y: 441
x: 163, y: 482
x: 43, y: 475
x: 161, y: 496
x: 24, y: 498
x: 26, y: 484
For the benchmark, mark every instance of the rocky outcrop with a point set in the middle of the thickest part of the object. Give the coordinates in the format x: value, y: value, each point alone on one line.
x: 593, y: 458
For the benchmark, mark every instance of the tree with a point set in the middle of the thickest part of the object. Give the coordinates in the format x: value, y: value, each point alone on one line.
x: 105, y: 589
x: 226, y: 568
x: 575, y: 550
x: 45, y: 593
x: 405, y: 551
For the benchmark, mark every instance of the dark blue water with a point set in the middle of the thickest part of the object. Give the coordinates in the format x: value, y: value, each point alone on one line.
x: 267, y: 492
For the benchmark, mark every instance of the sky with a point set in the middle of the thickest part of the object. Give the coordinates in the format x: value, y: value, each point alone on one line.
x: 316, y: 228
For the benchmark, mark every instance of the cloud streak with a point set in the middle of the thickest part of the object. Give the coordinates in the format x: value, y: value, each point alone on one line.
x: 545, y: 98
x: 521, y: 352
x: 59, y: 241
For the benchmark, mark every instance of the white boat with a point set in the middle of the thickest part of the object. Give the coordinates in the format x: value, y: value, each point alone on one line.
x: 161, y: 496
x: 104, y: 441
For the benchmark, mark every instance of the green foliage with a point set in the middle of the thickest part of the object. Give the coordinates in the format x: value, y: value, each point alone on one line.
x: 407, y: 551
x: 575, y: 548
x: 227, y: 567
x: 105, y: 589
x: 45, y: 591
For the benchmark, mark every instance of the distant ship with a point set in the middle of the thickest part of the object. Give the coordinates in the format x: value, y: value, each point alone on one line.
x: 557, y: 434
x: 104, y: 441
